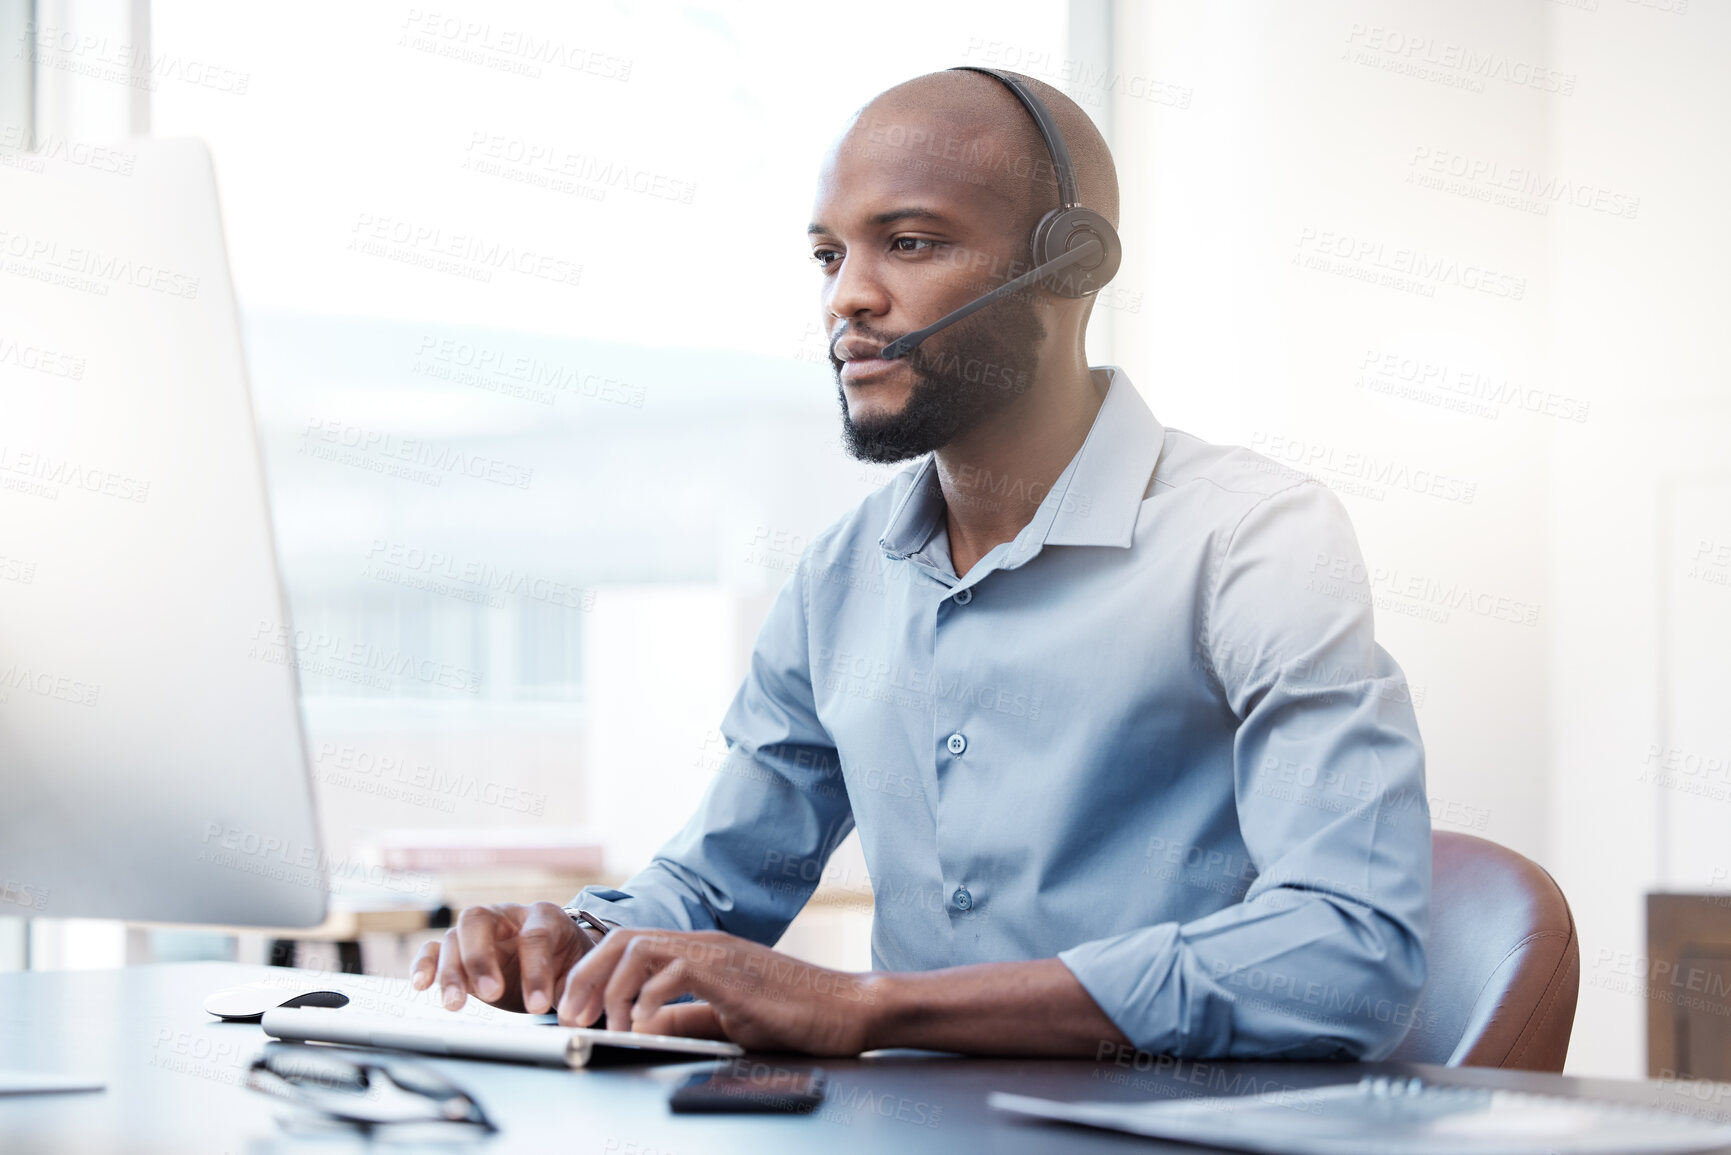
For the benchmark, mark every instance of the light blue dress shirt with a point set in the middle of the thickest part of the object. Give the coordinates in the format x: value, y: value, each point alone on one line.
x: 1152, y: 736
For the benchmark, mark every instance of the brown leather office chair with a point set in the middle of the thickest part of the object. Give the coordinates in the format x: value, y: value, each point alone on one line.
x: 1504, y: 962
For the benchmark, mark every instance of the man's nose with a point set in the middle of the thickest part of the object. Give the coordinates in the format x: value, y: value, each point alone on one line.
x: 857, y: 290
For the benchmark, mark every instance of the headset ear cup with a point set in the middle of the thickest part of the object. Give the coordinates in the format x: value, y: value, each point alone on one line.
x: 1061, y: 230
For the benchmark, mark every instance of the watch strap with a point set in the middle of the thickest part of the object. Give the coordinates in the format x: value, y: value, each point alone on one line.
x: 587, y: 921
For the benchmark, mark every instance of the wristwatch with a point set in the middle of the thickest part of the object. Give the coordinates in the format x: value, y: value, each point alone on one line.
x: 587, y: 921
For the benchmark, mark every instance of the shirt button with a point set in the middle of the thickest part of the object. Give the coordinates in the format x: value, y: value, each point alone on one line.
x: 963, y: 597
x: 962, y: 900
x: 956, y: 744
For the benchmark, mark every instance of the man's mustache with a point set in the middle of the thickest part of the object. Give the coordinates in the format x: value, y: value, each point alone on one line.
x: 852, y: 329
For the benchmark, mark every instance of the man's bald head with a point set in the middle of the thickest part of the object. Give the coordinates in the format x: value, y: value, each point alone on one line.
x: 977, y: 131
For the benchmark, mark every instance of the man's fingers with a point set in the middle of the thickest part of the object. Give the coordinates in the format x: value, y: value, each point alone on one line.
x: 480, y: 931
x: 641, y: 958
x: 426, y: 966
x: 580, y: 1001
x: 546, y: 946
x: 665, y: 985
x: 453, y: 987
x: 687, y: 1020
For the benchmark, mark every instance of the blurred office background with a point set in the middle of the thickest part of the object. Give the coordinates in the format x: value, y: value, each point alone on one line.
x: 1464, y: 261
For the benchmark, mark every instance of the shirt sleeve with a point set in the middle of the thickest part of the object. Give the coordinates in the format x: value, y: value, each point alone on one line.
x: 1324, y: 957
x: 751, y: 855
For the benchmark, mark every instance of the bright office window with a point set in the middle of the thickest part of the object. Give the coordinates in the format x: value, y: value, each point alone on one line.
x: 534, y: 334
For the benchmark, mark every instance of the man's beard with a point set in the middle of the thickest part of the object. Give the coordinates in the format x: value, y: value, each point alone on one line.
x: 973, y: 371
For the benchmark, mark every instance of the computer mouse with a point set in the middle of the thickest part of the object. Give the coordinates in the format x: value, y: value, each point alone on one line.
x: 248, y: 1002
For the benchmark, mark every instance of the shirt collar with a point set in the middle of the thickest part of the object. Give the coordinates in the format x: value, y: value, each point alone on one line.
x: 1095, y: 501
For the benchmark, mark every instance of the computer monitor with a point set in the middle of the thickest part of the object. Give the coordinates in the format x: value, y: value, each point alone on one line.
x: 152, y: 757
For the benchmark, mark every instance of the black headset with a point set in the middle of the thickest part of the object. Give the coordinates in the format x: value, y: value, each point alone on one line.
x: 1075, y: 249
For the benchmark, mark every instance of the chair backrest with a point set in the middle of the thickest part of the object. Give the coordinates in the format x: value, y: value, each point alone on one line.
x: 1504, y: 962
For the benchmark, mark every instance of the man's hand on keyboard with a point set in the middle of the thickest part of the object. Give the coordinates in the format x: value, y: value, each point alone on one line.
x: 512, y: 956
x: 757, y: 997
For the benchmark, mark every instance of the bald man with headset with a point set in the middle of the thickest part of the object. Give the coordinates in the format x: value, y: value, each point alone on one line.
x: 1126, y: 762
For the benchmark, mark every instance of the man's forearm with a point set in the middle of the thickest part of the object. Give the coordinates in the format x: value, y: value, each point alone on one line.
x: 1017, y: 1008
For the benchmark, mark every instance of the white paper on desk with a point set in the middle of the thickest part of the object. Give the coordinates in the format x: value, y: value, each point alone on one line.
x: 520, y: 1042
x: 1347, y: 1120
x: 38, y: 1083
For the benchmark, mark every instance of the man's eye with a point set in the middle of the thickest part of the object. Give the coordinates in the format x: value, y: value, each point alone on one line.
x: 826, y: 257
x: 912, y: 244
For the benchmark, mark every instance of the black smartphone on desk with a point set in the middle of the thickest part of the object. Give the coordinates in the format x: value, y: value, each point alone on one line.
x: 750, y: 1088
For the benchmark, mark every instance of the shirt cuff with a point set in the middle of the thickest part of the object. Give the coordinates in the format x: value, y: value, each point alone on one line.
x: 1140, y: 983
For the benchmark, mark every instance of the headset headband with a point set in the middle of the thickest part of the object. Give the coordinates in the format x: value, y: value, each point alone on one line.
x: 1048, y: 127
